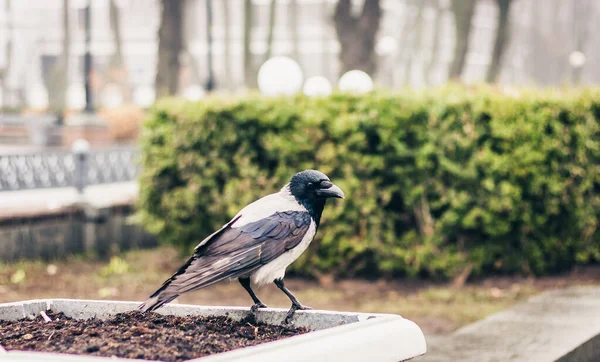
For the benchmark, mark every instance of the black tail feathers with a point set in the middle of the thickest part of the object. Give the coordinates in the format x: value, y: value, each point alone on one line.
x: 156, y: 301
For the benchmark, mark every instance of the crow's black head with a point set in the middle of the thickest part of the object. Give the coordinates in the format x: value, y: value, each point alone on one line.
x: 311, y: 188
x: 313, y: 184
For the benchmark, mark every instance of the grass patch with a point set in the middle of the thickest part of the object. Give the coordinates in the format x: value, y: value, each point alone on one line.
x: 437, y: 308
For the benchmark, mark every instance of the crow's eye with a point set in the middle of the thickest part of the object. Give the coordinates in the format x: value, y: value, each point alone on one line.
x: 309, y: 185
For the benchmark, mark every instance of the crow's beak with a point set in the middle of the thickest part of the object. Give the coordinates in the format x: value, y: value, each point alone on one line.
x: 333, y: 191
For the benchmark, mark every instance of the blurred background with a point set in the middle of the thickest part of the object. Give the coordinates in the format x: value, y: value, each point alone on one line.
x: 466, y: 131
x: 222, y: 44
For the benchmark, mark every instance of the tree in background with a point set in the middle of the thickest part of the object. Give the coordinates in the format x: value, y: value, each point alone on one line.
x: 271, y: 28
x: 210, y: 80
x: 250, y: 67
x: 293, y: 23
x: 170, y: 45
x: 8, y: 55
x: 357, y: 35
x: 57, y: 88
x: 190, y: 57
x: 412, y: 48
x: 501, y: 40
x: 463, y: 11
x: 324, y: 38
x: 117, y: 63
x: 581, y: 18
x: 249, y: 73
x: 405, y: 32
x: 116, y: 60
x: 227, y: 44
x: 434, y: 53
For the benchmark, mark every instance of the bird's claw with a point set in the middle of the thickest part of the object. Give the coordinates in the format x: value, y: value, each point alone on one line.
x: 257, y: 306
x: 292, y: 311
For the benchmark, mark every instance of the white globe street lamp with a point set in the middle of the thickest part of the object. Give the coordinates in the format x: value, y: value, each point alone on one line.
x: 80, y: 146
x: 386, y: 46
x: 112, y: 96
x: 280, y: 76
x: 317, y: 86
x: 577, y: 59
x: 144, y: 96
x: 37, y: 97
x: 355, y: 81
x: 193, y: 93
x: 76, y: 97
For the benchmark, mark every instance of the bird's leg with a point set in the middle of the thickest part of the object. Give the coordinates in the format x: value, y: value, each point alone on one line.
x: 245, y: 282
x: 296, y: 305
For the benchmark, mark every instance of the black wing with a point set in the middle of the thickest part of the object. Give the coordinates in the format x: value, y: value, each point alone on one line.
x: 233, y: 252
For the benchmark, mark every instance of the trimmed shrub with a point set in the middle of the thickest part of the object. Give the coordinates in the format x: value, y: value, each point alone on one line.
x: 437, y: 181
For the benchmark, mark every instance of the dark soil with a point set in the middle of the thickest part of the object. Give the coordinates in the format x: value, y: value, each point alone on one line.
x: 150, y: 336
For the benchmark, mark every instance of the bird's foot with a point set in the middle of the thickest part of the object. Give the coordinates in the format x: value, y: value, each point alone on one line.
x: 292, y: 311
x: 257, y: 306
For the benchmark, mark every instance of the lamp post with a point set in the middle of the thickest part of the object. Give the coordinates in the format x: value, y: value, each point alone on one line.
x: 80, y: 149
x: 87, y: 60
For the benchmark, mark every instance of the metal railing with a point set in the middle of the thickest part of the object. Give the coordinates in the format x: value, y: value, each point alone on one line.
x: 77, y: 169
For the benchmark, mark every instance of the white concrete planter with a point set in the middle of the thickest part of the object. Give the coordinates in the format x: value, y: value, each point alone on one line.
x: 335, y: 336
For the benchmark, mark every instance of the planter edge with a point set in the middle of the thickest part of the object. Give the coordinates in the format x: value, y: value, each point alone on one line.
x: 345, y: 336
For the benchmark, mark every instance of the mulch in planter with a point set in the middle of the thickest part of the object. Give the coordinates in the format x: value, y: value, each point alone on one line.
x: 150, y: 336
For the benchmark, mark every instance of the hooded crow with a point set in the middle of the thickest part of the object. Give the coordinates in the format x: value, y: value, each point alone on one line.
x: 258, y: 244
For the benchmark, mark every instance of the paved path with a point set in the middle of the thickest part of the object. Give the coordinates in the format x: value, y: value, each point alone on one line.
x: 556, y: 326
x: 18, y: 149
x: 27, y: 202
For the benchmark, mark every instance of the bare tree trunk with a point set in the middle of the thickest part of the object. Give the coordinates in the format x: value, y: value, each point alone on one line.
x: 502, y: 38
x: 4, y: 73
x: 555, y: 54
x: 57, y: 90
x: 192, y: 61
x: 227, y: 43
x: 415, y: 43
x: 115, y: 25
x: 117, y: 63
x: 8, y: 51
x: 581, y: 16
x: 533, y: 47
x: 293, y: 20
x: 433, y: 56
x: 210, y: 81
x: 170, y: 44
x: 403, y: 39
x: 272, y: 11
x: 249, y: 73
x: 325, y: 62
x: 357, y: 35
x: 463, y: 11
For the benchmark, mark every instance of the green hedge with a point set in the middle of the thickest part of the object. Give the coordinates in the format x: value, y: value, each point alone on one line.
x: 437, y: 181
